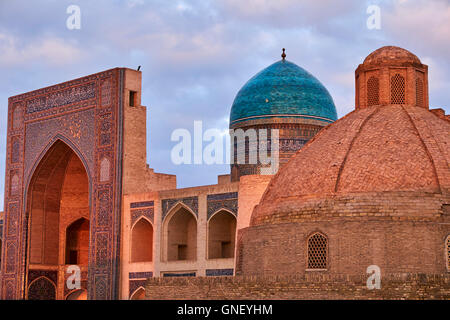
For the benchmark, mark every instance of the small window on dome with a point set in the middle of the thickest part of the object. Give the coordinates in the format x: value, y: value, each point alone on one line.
x: 373, y: 91
x: 317, y: 252
x: 397, y: 89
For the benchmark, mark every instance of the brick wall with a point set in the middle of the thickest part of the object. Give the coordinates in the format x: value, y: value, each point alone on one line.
x: 353, y: 245
x: 314, y: 286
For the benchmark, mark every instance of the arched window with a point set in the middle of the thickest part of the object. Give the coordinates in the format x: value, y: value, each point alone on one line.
x: 373, y: 91
x: 142, y: 241
x: 139, y: 294
x: 221, y: 235
x: 42, y: 289
x: 317, y: 251
x: 397, y: 89
x: 80, y: 294
x: 447, y: 250
x: 77, y: 242
x: 419, y: 92
x: 182, y: 236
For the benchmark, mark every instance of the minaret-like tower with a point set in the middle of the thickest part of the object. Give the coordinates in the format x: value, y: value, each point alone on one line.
x: 391, y: 75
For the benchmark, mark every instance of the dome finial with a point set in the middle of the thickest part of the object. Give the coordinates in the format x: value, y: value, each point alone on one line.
x: 283, y: 55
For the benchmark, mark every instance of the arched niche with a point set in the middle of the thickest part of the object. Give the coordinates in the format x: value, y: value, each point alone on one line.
x: 221, y: 235
x: 142, y: 241
x: 180, y: 231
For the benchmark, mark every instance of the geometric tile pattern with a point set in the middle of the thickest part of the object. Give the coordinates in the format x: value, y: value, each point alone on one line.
x: 85, y: 114
x: 190, y: 202
x: 219, y: 272
x: 222, y: 201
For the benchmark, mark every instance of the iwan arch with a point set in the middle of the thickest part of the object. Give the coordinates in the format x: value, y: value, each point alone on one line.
x: 78, y: 191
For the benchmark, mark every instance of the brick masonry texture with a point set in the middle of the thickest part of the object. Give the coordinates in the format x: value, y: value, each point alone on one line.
x: 316, y: 286
x: 375, y: 149
x: 354, y: 243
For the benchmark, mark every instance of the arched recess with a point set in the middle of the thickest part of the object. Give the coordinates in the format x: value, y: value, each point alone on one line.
x: 317, y: 250
x: 58, y: 193
x: 180, y: 233
x: 42, y: 289
x: 447, y: 252
x: 139, y: 294
x: 77, y: 242
x: 80, y: 294
x: 142, y: 241
x: 221, y: 235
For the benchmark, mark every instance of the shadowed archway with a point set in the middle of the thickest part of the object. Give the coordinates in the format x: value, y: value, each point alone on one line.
x: 142, y: 241
x: 221, y: 235
x: 58, y: 194
x: 180, y: 230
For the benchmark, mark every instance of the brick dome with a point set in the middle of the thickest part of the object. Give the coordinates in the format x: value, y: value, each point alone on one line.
x: 373, y: 150
x: 390, y: 55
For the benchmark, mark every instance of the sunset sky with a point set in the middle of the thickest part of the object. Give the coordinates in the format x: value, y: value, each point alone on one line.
x: 196, y: 55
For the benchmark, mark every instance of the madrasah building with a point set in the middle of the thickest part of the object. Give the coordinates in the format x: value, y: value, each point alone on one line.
x: 372, y: 188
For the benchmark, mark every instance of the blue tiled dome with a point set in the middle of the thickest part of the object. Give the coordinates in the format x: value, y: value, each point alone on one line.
x: 283, y: 90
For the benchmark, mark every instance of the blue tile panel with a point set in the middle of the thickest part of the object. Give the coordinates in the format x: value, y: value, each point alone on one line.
x: 283, y: 90
x: 140, y: 275
x: 216, y: 202
x: 219, y: 272
x: 134, y: 205
x: 190, y: 274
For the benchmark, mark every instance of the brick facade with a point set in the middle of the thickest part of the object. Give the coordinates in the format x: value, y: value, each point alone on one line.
x: 316, y: 286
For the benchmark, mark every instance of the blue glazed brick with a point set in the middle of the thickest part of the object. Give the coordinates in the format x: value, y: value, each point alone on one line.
x: 284, y: 90
x: 219, y: 272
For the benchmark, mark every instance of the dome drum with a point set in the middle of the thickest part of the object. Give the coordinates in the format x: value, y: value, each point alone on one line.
x: 391, y: 75
x: 374, y: 186
x: 281, y: 97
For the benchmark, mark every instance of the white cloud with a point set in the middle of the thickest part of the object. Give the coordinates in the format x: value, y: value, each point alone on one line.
x: 50, y: 51
x: 421, y: 24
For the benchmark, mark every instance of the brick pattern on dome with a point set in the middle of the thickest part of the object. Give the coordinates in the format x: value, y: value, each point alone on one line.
x: 375, y: 149
x: 391, y: 54
x: 388, y: 155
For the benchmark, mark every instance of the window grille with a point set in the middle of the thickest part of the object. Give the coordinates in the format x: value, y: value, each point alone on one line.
x: 373, y: 91
x: 317, y: 251
x: 419, y: 92
x: 397, y: 89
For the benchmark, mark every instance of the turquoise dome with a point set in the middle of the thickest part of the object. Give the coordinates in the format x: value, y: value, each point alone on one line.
x: 283, y: 89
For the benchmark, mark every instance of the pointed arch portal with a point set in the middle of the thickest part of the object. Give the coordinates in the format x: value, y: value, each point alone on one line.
x: 181, y: 235
x: 58, y: 205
